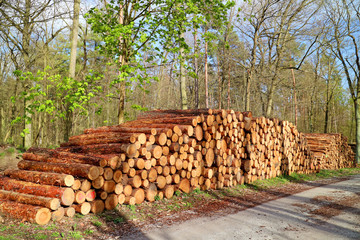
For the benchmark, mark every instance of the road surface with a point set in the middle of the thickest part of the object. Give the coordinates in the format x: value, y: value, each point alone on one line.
x: 328, y: 212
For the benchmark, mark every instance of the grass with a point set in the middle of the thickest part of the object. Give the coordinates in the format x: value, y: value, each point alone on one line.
x: 295, y: 177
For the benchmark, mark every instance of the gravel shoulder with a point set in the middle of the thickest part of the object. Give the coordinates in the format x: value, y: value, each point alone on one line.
x: 326, y: 212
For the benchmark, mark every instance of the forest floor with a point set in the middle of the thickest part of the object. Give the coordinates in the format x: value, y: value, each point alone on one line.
x: 9, y: 157
x: 135, y: 221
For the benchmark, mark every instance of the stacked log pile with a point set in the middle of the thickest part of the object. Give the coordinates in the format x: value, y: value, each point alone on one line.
x: 297, y: 156
x: 331, y: 150
x: 159, y: 153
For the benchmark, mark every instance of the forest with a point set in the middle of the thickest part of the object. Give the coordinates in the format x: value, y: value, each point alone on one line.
x: 67, y: 65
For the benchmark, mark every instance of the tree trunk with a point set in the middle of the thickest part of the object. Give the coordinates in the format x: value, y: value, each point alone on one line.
x: 74, y: 37
x: 122, y: 62
x: 26, y: 51
x: 357, y: 116
x: 206, y: 73
x: 196, y: 88
x: 183, y: 96
x: 295, y: 101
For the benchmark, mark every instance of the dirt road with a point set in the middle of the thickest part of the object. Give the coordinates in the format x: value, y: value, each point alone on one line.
x: 328, y: 212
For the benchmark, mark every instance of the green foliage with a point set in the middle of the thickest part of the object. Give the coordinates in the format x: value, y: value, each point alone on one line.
x: 76, y: 235
x: 97, y: 223
x: 73, y: 95
x: 150, y: 27
x: 157, y: 197
x: 132, y: 207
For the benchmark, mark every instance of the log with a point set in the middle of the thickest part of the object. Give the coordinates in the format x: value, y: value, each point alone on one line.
x: 184, y: 185
x: 85, y: 185
x: 109, y: 186
x: 56, y: 156
x: 179, y: 120
x: 90, y: 195
x: 69, y: 211
x: 161, y: 181
x: 58, y: 214
x: 30, y: 213
x: 111, y: 201
x: 66, y: 195
x: 79, y: 170
x: 130, y: 200
x: 168, y: 191
x: 151, y: 192
x: 98, y: 182
x: 139, y: 195
x: 97, y: 206
x: 79, y: 197
x: 75, y: 186
x: 122, y: 129
x: 113, y: 148
x: 108, y: 137
x: 51, y: 203
x: 83, y: 208
x: 47, y: 178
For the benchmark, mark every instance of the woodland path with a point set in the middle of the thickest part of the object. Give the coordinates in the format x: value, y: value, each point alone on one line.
x: 327, y: 212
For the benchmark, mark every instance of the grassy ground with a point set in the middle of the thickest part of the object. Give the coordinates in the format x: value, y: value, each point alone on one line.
x: 136, y: 218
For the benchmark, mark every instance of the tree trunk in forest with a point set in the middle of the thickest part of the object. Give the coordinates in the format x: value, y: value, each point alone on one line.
x: 357, y: 119
x: 74, y: 37
x: 228, y: 90
x: 206, y: 73
x: 295, y: 101
x: 219, y: 86
x: 122, y: 62
x: 183, y: 96
x: 196, y: 88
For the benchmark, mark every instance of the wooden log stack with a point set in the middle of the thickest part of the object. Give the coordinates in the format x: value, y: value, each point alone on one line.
x: 160, y: 152
x: 331, y: 150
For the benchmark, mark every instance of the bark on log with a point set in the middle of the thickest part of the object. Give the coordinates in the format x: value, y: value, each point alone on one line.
x: 47, y: 178
x: 51, y: 203
x: 66, y: 195
x: 75, y: 169
x: 31, y: 213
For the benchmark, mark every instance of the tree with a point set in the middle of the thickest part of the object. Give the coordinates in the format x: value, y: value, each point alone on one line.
x: 344, y: 17
x: 19, y: 22
x: 157, y: 24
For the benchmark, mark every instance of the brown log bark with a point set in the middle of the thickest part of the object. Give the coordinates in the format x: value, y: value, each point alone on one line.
x: 56, y: 156
x: 66, y: 195
x: 51, y: 203
x: 75, y: 169
x: 112, y: 148
x: 41, y: 177
x: 31, y: 213
x: 178, y: 120
x: 102, y: 138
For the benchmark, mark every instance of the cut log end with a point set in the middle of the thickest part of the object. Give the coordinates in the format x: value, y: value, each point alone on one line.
x: 43, y: 216
x: 68, y: 197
